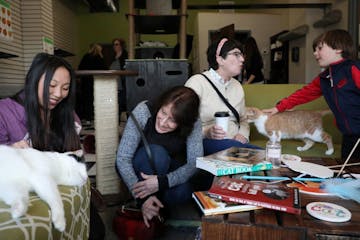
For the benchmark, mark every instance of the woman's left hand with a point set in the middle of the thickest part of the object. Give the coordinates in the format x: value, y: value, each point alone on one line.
x: 240, y: 138
x: 146, y: 187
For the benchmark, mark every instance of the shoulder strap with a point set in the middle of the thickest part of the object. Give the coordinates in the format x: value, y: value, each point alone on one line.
x: 146, y: 144
x: 233, y: 110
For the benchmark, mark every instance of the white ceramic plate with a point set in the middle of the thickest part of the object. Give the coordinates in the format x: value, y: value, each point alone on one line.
x: 290, y: 157
x: 312, y: 169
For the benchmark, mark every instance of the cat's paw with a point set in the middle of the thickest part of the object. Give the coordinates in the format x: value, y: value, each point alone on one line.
x: 329, y: 151
x: 18, y: 209
x: 59, y: 221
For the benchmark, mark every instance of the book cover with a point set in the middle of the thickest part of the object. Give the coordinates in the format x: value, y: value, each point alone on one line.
x: 233, y: 161
x: 313, y: 188
x: 274, y: 196
x: 213, y: 206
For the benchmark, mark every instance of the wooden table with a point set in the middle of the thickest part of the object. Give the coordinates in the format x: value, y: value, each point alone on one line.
x: 269, y: 224
x: 106, y: 113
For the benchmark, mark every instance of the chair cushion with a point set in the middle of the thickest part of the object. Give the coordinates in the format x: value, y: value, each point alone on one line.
x: 37, y: 224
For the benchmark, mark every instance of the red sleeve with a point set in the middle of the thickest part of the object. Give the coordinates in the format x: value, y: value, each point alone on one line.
x: 306, y: 94
x: 355, y: 72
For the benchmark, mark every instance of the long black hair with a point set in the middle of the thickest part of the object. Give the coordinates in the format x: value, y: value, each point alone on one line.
x: 252, y: 54
x: 55, y: 129
x: 185, y: 109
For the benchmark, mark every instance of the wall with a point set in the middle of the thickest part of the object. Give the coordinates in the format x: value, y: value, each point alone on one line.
x: 12, y: 69
x: 33, y: 20
x: 307, y: 68
x: 243, y: 21
x: 65, y: 27
x: 299, y: 72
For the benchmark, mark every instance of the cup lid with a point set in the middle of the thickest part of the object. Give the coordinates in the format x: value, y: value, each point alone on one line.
x: 221, y: 114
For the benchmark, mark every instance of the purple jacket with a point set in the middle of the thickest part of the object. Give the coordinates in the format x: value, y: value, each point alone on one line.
x: 12, y: 121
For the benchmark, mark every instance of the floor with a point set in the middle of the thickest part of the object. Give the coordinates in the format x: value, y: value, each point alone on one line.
x: 183, y: 223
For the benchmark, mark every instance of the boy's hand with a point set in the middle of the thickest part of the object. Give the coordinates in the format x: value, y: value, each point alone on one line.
x: 270, y: 111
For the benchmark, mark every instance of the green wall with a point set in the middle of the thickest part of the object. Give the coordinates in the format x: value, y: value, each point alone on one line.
x: 103, y: 27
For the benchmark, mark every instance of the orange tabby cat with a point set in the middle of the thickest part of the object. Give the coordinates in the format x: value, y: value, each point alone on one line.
x: 299, y: 124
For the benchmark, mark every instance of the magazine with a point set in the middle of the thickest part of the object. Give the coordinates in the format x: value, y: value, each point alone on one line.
x: 213, y: 206
x: 233, y: 161
x: 274, y: 196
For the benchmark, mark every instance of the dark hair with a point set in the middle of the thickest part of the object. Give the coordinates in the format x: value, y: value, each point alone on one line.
x: 56, y: 130
x: 229, y: 45
x: 337, y: 39
x: 121, y: 41
x: 185, y: 108
x: 251, y: 51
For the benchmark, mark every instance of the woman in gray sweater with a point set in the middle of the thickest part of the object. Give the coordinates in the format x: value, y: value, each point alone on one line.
x: 173, y: 130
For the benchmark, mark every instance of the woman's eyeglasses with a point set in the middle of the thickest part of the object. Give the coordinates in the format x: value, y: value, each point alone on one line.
x: 236, y: 54
x: 116, y: 44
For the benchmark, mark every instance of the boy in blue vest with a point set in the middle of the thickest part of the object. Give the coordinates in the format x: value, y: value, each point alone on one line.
x: 339, y: 83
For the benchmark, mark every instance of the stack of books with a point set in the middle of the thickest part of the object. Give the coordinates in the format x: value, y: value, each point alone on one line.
x: 229, y: 195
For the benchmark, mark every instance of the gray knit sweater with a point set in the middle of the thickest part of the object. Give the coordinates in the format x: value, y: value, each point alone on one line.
x: 131, y: 139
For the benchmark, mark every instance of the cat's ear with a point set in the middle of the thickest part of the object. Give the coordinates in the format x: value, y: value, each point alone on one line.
x: 78, y: 153
x: 250, y: 111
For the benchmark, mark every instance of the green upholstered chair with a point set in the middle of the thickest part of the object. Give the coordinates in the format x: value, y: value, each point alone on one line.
x: 37, y: 224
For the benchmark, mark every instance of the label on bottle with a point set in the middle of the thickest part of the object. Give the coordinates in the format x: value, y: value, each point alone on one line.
x: 273, y: 153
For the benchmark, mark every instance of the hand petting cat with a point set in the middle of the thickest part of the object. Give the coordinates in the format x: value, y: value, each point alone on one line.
x: 270, y: 111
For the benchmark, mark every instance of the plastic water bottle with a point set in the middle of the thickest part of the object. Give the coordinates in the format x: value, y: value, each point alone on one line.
x: 273, y: 153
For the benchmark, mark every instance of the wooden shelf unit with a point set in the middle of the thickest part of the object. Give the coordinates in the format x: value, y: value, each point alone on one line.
x: 156, y: 24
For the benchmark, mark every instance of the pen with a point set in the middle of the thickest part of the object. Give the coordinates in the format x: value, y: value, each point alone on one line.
x: 275, y: 178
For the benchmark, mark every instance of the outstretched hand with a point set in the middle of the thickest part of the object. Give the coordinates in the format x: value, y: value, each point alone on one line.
x: 146, y: 187
x: 150, y: 209
x: 270, y: 111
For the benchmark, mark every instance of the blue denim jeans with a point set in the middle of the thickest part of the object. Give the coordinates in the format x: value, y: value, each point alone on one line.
x: 163, y: 164
x: 212, y: 145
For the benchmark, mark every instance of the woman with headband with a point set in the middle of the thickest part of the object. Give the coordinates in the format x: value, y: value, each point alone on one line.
x: 225, y: 61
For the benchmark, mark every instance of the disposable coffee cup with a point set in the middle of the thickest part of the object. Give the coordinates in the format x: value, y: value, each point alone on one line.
x: 222, y: 120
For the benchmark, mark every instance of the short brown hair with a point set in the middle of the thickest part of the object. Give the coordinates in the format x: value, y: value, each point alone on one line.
x: 337, y: 39
x: 185, y: 107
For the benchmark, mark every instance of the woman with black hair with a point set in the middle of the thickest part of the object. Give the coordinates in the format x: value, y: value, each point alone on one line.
x: 42, y: 114
x: 226, y: 60
x: 253, y: 62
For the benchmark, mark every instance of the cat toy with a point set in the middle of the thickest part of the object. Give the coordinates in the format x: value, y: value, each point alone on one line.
x: 345, y: 188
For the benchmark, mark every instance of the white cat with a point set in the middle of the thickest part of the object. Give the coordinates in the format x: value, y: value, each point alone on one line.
x: 27, y: 169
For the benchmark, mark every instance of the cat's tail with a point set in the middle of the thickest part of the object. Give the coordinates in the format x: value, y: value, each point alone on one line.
x: 324, y: 112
